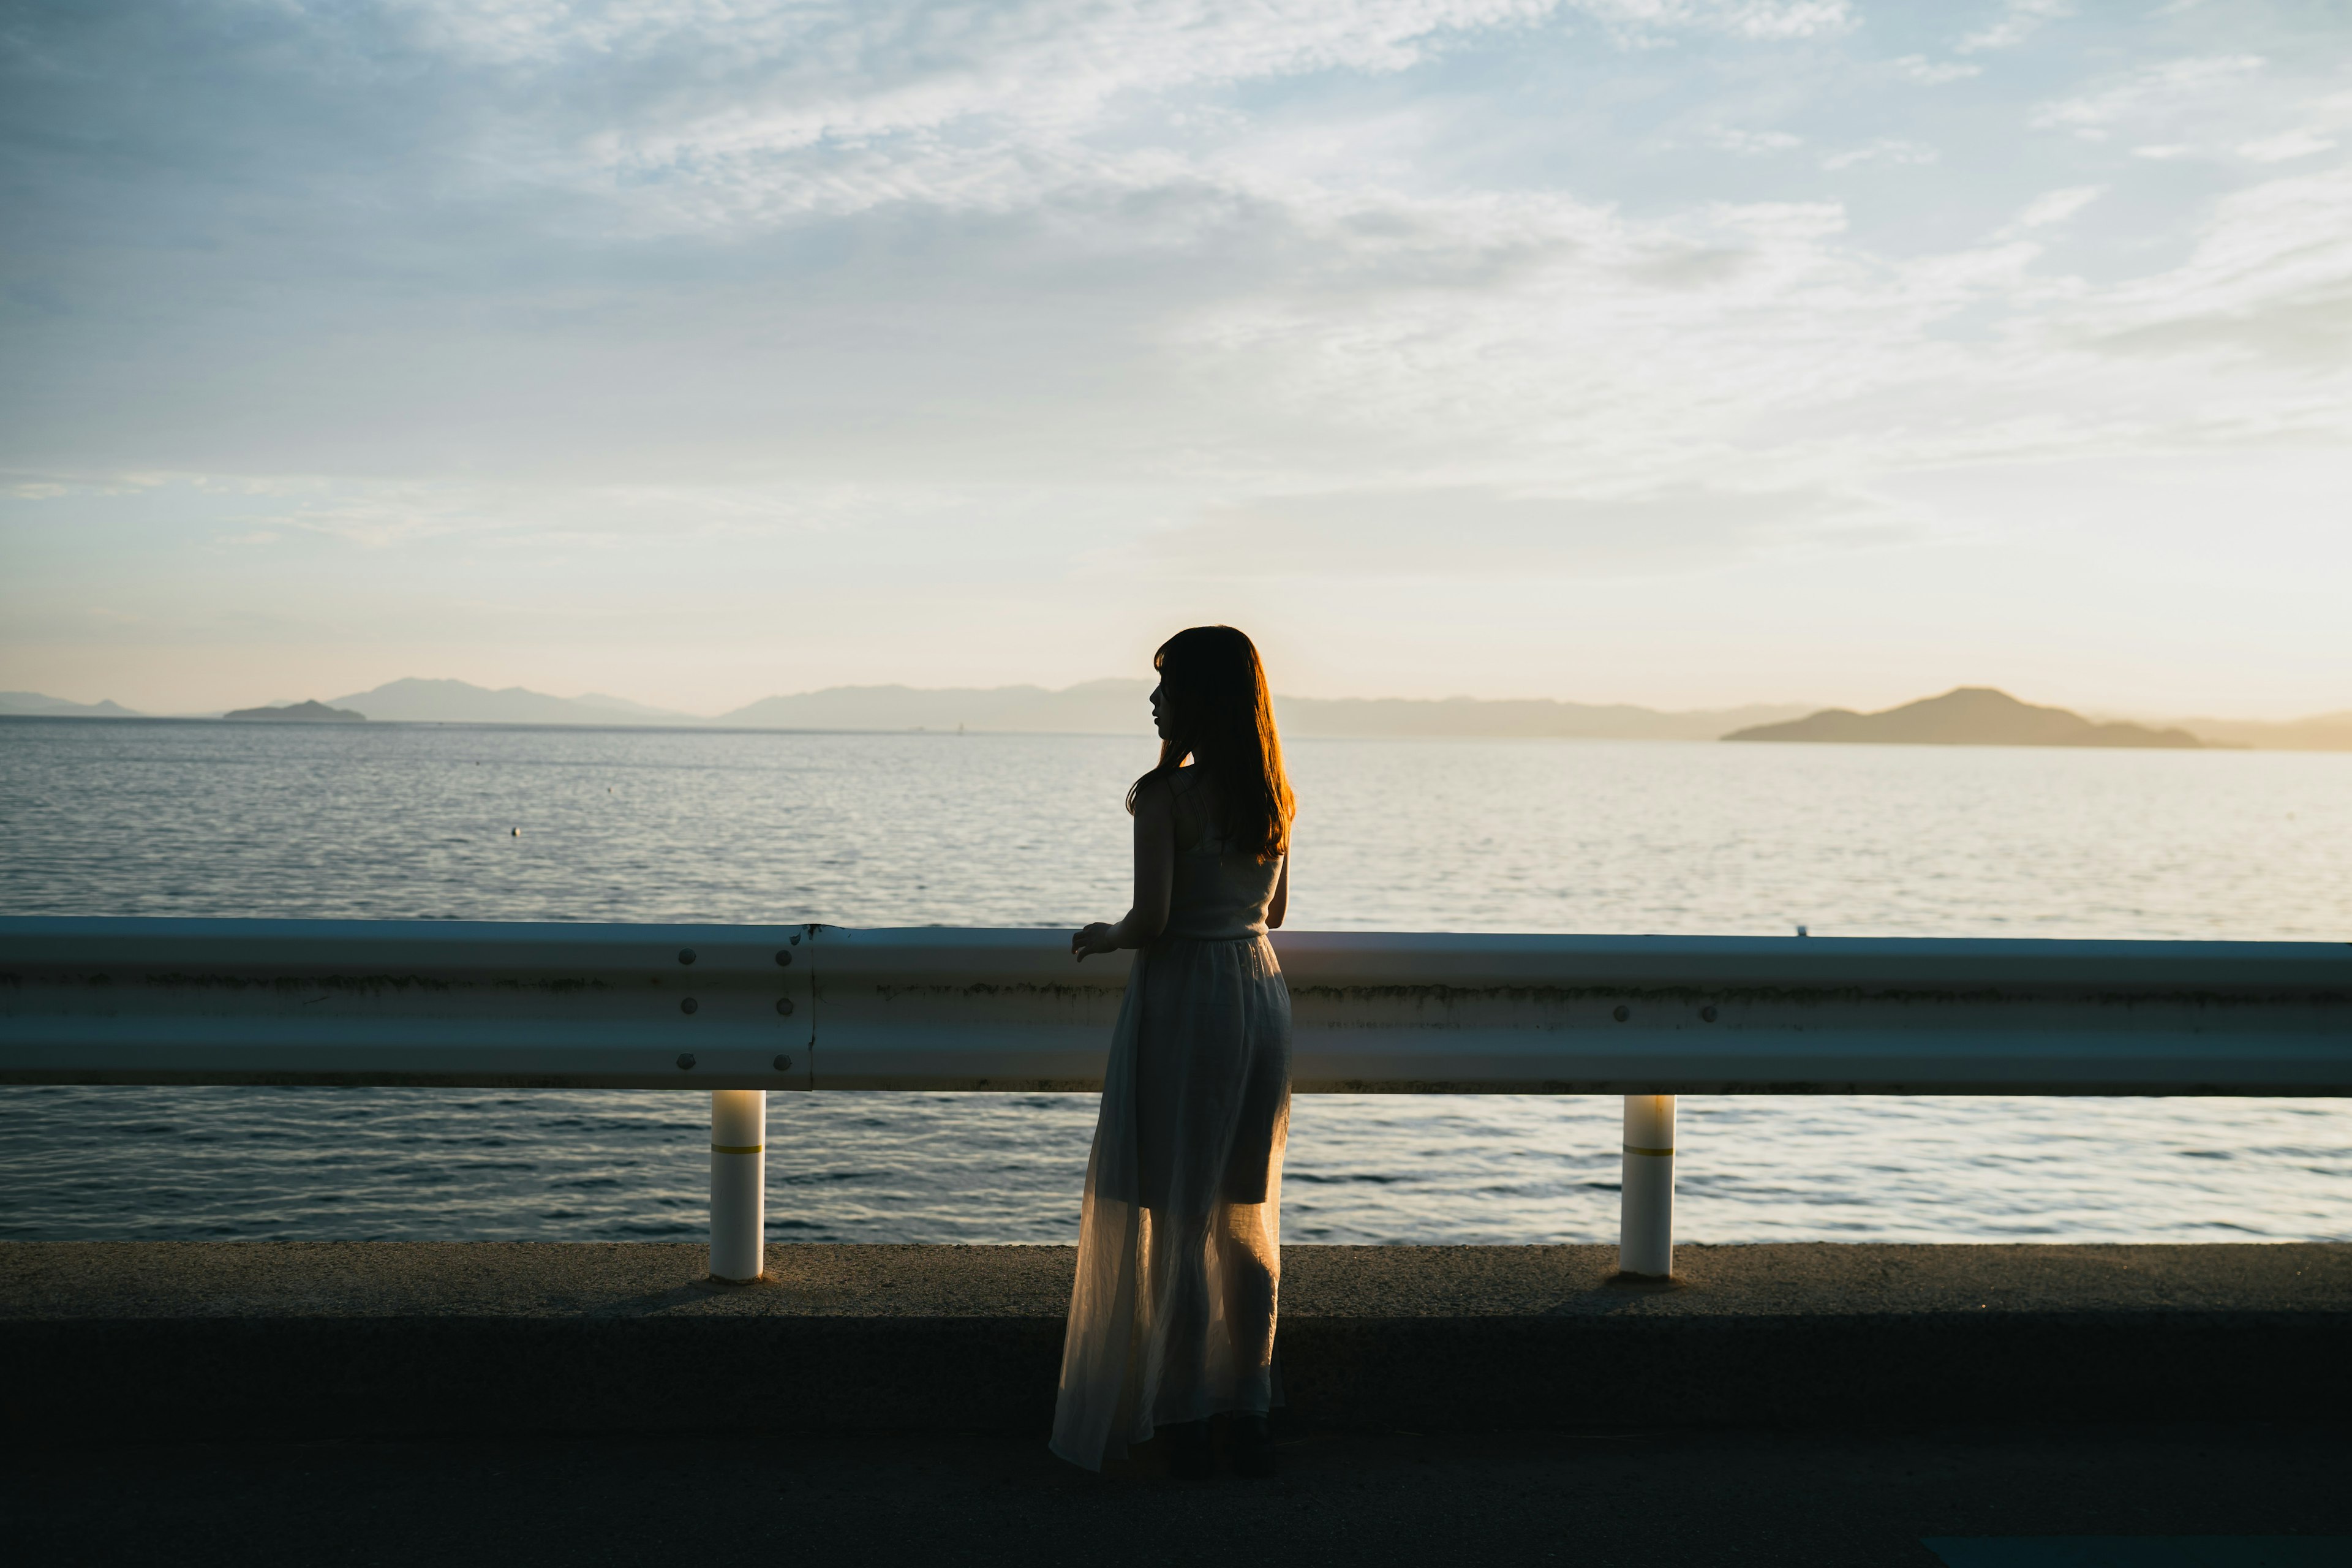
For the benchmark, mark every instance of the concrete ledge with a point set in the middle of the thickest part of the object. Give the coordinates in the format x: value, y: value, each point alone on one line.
x: 179, y: 1339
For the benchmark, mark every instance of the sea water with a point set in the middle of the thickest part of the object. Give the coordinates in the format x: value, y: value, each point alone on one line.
x: 386, y: 821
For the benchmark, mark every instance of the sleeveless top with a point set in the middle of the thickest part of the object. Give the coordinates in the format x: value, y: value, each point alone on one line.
x: 1220, y: 894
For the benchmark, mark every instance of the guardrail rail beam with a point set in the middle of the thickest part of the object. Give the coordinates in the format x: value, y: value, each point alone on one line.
x: 739, y: 1010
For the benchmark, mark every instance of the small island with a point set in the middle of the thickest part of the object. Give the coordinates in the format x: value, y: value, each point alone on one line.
x: 1967, y: 716
x: 300, y: 713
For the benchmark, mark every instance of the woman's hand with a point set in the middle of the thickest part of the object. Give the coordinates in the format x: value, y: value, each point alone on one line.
x: 1099, y: 937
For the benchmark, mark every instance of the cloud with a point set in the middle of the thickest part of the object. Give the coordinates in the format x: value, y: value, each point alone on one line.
x: 1691, y: 266
x: 1752, y: 143
x: 2286, y: 148
x: 1935, y: 73
x: 2019, y: 20
x: 2269, y: 279
x: 760, y: 256
x: 818, y: 110
x: 2054, y: 207
x: 726, y: 325
x: 2160, y: 93
x: 1479, y: 531
x: 1887, y: 150
x: 1639, y: 21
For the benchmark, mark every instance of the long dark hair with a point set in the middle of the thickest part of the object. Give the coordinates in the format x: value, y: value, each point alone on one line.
x: 1211, y: 683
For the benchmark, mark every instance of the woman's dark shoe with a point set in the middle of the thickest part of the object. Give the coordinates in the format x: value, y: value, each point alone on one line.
x: 1248, y: 1447
x: 1186, y: 1444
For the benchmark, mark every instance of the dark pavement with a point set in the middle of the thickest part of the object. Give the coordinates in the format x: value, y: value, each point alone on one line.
x: 1637, y: 1499
x: 251, y: 1341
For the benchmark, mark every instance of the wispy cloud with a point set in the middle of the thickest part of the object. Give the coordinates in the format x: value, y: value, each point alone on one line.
x: 2286, y: 148
x: 1477, y: 532
x: 1754, y: 143
x: 1641, y: 21
x: 1886, y: 150
x: 2054, y: 208
x: 2019, y: 21
x: 1935, y: 73
x: 2270, y: 280
x: 2158, y: 92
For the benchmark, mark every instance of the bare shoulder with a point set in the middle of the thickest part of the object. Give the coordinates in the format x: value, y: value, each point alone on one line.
x: 1155, y: 797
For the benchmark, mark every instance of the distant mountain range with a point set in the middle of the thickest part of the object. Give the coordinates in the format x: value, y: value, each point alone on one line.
x: 1963, y: 716
x: 33, y: 704
x: 2321, y: 733
x: 1967, y: 716
x: 1091, y: 708
x: 459, y: 703
x: 1465, y: 717
x: 298, y: 713
x: 1119, y: 707
x: 1124, y: 708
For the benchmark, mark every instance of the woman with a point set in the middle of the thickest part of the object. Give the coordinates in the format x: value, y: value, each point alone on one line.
x: 1172, y: 1320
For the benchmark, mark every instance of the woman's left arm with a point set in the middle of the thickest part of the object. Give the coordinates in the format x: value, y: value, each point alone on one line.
x: 1281, y: 904
x: 1155, y: 878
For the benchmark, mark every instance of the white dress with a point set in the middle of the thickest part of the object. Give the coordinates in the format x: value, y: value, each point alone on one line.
x: 1180, y: 1259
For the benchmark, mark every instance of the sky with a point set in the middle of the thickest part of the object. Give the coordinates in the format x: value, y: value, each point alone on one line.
x: 1687, y: 353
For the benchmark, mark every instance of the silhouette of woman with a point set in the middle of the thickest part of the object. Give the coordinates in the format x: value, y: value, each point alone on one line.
x: 1171, y: 1318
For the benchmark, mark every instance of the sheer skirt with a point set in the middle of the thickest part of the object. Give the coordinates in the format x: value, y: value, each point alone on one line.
x: 1180, y: 1259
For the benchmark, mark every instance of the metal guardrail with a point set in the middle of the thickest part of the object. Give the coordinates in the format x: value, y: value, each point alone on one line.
x: 739, y: 1009
x: 822, y: 1007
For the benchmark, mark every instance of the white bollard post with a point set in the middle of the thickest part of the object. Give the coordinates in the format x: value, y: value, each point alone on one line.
x: 739, y: 1184
x: 1645, y: 1215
